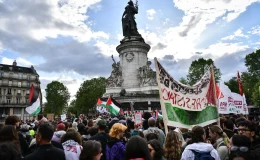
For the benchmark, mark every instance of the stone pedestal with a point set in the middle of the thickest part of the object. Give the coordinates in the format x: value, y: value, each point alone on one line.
x: 132, y: 81
x: 133, y: 55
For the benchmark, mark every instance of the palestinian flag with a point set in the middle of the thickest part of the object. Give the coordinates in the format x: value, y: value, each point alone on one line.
x: 101, y: 105
x: 35, y: 104
x: 158, y: 115
x: 113, y: 106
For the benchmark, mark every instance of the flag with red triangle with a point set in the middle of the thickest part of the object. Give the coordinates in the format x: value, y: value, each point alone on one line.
x: 101, y: 105
x: 113, y: 106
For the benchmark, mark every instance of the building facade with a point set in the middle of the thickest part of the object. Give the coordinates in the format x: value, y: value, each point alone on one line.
x: 15, y: 82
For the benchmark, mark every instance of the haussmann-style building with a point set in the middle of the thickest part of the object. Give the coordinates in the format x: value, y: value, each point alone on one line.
x: 15, y: 82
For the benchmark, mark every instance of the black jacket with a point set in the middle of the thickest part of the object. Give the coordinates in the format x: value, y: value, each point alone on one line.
x: 103, y: 139
x: 46, y: 152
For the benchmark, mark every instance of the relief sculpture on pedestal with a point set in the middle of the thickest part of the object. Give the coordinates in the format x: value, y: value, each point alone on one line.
x: 115, y: 79
x: 147, y: 76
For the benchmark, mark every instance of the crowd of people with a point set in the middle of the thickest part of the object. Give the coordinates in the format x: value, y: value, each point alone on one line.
x: 235, y: 137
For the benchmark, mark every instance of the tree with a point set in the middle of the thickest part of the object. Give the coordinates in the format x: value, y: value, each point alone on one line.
x: 233, y: 84
x: 252, y: 77
x: 57, y: 96
x: 252, y: 62
x: 88, y: 93
x: 256, y: 94
x: 197, y: 70
x: 183, y: 80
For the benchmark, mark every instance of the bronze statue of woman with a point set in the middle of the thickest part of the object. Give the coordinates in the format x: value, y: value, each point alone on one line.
x: 128, y: 20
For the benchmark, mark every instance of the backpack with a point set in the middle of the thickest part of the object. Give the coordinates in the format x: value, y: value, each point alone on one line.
x: 154, y: 131
x: 202, y: 155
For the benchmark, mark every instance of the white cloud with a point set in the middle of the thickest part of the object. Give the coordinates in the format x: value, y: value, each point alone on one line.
x: 198, y: 14
x: 150, y: 14
x: 71, y: 80
x: 106, y: 49
x: 220, y: 49
x: 20, y: 61
x: 255, y: 30
x: 67, y: 18
x: 237, y: 33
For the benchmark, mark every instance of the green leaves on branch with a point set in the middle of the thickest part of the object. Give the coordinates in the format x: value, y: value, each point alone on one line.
x: 88, y: 93
x: 57, y: 96
x: 197, y: 70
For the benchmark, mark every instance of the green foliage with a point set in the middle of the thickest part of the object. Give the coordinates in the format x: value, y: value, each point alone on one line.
x: 72, y: 107
x: 183, y: 80
x: 88, y: 93
x: 197, y: 70
x: 233, y: 84
x: 256, y: 94
x: 57, y: 96
x: 252, y: 77
x: 252, y: 62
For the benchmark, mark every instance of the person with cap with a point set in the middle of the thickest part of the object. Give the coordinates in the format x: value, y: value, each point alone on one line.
x: 101, y: 136
x: 60, y: 131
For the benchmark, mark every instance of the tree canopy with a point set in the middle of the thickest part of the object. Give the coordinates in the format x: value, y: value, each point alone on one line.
x: 88, y: 93
x: 233, y: 85
x: 57, y: 96
x: 197, y: 70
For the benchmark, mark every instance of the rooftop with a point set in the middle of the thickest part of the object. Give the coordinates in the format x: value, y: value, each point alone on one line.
x: 15, y: 68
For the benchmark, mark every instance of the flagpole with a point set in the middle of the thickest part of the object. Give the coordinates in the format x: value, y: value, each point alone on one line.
x: 165, y: 120
x: 214, y: 83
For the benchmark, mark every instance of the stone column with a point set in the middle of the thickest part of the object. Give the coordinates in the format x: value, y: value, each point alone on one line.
x: 133, y: 55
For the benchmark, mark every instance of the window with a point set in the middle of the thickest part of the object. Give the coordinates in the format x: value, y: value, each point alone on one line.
x: 10, y: 83
x: 9, y: 91
x: 27, y: 92
x: 28, y: 77
x: 28, y: 84
x: 18, y: 100
x: 20, y: 76
x: 18, y: 92
x: 17, y: 110
x: 27, y: 100
x: 0, y: 92
x: 1, y: 74
x: 11, y: 75
x: 8, y: 100
x: 19, y: 84
x: 0, y: 82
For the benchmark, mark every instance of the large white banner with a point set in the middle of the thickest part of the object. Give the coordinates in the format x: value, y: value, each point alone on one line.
x: 226, y: 101
x: 240, y: 103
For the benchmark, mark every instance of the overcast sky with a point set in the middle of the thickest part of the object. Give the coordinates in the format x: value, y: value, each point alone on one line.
x: 73, y: 40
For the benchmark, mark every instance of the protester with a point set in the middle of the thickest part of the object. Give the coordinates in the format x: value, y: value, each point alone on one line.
x: 115, y: 148
x: 137, y: 148
x: 156, y: 150
x: 9, y: 151
x: 9, y: 134
x: 101, y: 136
x: 247, y: 128
x: 156, y: 130
x: 91, y: 151
x: 240, y: 148
x: 46, y: 150
x: 15, y: 121
x: 217, y: 136
x: 198, y: 145
x: 71, y: 142
x: 228, y: 128
x: 60, y: 131
x: 172, y: 147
